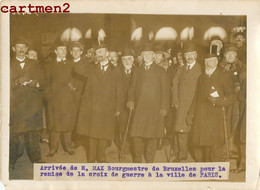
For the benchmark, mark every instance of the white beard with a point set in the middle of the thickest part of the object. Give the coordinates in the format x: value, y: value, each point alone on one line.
x: 209, y: 71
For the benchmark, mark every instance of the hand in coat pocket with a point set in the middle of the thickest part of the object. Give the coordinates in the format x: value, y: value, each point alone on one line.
x: 163, y: 112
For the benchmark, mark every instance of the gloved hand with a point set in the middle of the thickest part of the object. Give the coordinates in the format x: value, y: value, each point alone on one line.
x: 117, y: 113
x: 189, y: 119
x: 212, y: 100
x: 163, y: 112
x: 130, y: 105
x: 176, y: 105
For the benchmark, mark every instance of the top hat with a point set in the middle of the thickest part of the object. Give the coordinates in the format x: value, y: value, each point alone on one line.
x: 211, y: 55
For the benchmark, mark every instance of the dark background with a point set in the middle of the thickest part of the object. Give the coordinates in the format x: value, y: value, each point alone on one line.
x: 118, y: 27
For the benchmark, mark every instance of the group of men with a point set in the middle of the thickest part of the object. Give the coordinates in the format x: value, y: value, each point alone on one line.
x: 135, y: 101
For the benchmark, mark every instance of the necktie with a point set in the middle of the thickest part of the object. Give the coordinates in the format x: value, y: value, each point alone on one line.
x: 147, y: 67
x: 103, y: 68
x: 188, y: 68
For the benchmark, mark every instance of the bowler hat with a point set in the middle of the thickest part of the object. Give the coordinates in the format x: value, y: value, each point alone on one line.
x: 59, y: 43
x: 100, y: 46
x: 127, y: 52
x: 230, y: 47
x: 189, y: 47
x: 148, y: 47
x: 240, y: 33
x: 77, y: 44
x: 21, y: 40
x: 159, y: 49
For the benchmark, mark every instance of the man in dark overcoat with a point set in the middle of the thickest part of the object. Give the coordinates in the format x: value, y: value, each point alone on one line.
x: 214, y: 93
x: 26, y: 86
x: 76, y: 51
x: 61, y: 99
x: 127, y: 68
x: 149, y: 96
x: 233, y: 66
x: 183, y: 90
x: 102, y: 103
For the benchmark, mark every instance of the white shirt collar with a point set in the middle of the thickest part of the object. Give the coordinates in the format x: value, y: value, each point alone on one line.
x: 104, y: 62
x: 77, y: 60
x: 59, y: 59
x: 148, y: 64
x: 191, y: 65
x: 21, y: 60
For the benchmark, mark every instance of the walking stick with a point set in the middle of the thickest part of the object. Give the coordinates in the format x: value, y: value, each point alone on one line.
x: 127, y: 127
x: 225, y: 132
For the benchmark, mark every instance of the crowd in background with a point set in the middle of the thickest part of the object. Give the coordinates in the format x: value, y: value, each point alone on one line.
x: 139, y: 100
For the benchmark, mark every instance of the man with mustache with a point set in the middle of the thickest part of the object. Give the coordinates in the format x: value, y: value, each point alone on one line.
x: 26, y: 95
x: 214, y: 91
x: 183, y: 91
x: 240, y: 40
x: 101, y: 104
x: 149, y: 97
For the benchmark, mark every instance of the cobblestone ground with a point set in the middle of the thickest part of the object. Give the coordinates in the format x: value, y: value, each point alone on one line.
x: 24, y: 167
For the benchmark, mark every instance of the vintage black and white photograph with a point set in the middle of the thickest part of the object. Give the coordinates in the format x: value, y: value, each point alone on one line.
x: 127, y: 88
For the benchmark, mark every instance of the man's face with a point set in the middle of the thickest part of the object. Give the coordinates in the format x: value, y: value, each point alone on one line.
x: 239, y: 40
x: 32, y: 55
x: 112, y: 57
x: 20, y: 49
x: 91, y: 54
x: 211, y: 63
x: 128, y: 61
x: 101, y: 54
x: 148, y: 56
x: 230, y: 56
x: 76, y: 52
x: 158, y: 57
x: 61, y: 51
x: 190, y: 57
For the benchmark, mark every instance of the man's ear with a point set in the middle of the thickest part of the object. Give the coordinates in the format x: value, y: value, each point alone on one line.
x: 81, y: 52
x: 55, y: 51
x: 13, y: 48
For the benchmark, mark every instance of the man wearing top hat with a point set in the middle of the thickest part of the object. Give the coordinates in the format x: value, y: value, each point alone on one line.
x: 102, y: 104
x: 26, y: 95
x: 127, y: 68
x: 149, y: 97
x: 183, y: 91
x: 61, y: 99
x: 213, y: 93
